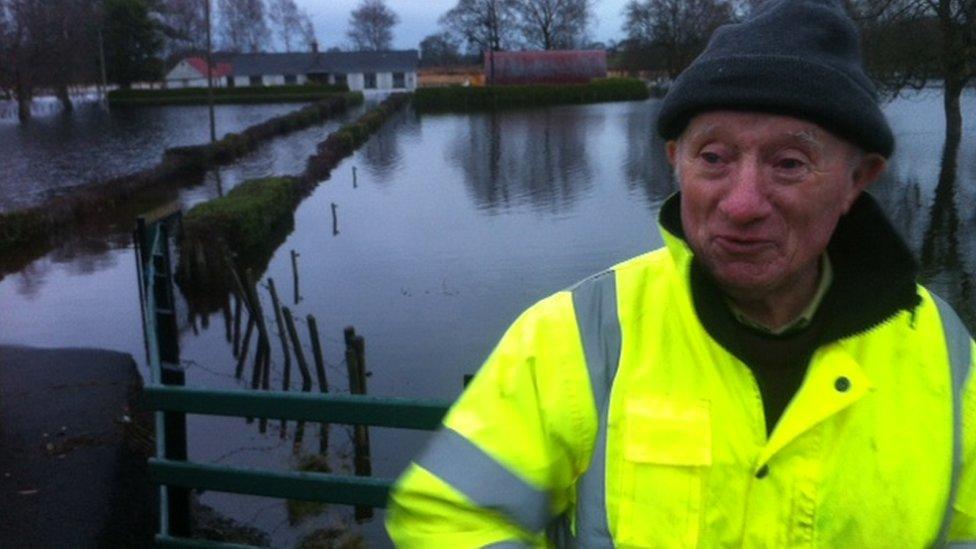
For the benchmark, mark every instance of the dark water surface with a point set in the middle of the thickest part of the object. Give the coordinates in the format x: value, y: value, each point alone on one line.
x: 456, y: 224
x: 63, y: 150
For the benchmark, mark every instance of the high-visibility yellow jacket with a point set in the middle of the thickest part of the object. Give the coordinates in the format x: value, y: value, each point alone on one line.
x: 607, y: 416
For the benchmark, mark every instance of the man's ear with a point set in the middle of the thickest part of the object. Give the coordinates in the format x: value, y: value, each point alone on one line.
x: 671, y: 147
x: 868, y: 169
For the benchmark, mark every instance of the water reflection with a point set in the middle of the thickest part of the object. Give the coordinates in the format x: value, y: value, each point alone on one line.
x: 382, y: 153
x: 646, y: 163
x: 537, y: 157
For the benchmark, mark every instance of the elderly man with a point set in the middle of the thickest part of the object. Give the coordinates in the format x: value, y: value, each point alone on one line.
x: 772, y: 377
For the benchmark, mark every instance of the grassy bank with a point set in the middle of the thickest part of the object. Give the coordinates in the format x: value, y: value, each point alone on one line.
x: 457, y: 98
x: 242, y: 95
x: 245, y: 217
x: 180, y: 166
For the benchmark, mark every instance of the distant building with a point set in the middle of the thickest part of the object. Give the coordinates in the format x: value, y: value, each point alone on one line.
x: 359, y: 70
x: 192, y: 73
x: 545, y: 67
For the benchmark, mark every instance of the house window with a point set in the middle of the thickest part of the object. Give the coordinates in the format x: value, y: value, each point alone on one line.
x: 291, y: 79
x: 398, y: 80
x: 341, y: 80
x: 369, y: 80
x: 230, y: 81
x: 256, y: 80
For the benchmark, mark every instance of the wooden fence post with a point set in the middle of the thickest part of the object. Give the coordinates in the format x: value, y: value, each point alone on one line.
x: 313, y: 334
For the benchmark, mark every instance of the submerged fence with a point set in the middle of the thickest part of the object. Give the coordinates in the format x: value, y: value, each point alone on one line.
x: 172, y: 401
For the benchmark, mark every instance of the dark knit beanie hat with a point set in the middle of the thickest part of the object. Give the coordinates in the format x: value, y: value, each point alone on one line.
x: 795, y: 57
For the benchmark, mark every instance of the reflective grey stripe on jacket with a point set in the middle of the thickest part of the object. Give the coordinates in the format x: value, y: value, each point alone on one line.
x: 958, y: 346
x: 595, y: 305
x: 469, y: 470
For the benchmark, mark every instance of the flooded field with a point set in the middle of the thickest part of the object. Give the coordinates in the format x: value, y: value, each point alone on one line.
x: 453, y: 225
x: 63, y: 150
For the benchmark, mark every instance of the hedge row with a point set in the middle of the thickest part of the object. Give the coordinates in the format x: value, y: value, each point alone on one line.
x: 344, y: 141
x: 458, y: 98
x: 250, y: 94
x: 248, y: 222
x: 179, y: 166
x: 244, y: 217
x: 235, y: 145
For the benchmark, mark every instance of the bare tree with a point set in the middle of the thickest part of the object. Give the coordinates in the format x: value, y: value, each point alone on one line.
x: 555, y: 24
x: 307, y: 30
x: 484, y: 25
x: 43, y: 44
x: 909, y: 43
x: 371, y: 26
x: 439, y: 50
x: 184, y: 25
x: 679, y: 29
x: 286, y: 19
x: 243, y: 25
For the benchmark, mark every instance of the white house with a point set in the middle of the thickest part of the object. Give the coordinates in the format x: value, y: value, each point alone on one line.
x: 360, y: 70
x: 192, y: 73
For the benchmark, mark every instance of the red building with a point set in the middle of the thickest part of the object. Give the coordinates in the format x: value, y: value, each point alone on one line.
x: 545, y: 67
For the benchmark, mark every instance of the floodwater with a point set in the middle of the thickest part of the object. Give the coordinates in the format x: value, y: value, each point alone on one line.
x: 452, y: 225
x: 63, y: 150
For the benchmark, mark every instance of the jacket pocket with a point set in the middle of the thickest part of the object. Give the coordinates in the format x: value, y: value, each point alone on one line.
x: 667, y: 450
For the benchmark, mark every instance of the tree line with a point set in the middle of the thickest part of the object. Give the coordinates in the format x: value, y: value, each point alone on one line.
x: 48, y: 46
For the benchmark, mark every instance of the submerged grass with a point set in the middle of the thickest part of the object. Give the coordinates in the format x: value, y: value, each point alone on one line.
x: 458, y: 98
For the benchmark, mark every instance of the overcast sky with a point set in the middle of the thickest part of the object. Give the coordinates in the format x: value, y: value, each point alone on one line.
x: 418, y: 18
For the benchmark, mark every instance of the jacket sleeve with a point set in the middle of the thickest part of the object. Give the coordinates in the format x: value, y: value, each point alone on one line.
x: 505, y: 461
x: 963, y: 527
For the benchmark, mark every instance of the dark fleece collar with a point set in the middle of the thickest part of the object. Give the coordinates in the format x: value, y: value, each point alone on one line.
x: 874, y: 278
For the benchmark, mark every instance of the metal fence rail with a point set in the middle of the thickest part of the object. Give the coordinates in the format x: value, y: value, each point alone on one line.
x: 399, y: 413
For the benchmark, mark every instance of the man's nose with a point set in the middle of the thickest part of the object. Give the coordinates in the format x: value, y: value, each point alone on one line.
x: 745, y: 200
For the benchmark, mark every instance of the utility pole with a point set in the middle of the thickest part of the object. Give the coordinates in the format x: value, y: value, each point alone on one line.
x: 210, y: 99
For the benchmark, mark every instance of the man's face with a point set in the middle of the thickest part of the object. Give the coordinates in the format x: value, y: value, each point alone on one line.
x: 761, y: 195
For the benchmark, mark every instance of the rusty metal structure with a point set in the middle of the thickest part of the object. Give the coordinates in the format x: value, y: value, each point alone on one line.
x: 544, y: 67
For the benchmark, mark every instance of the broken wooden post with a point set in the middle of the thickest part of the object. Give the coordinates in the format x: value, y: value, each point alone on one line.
x: 313, y: 334
x: 279, y: 321
x: 302, y: 366
x: 236, y: 345
x: 335, y: 220
x: 361, y: 457
x: 242, y: 357
x: 294, y: 271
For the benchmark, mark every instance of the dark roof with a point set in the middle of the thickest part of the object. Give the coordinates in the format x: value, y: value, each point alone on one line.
x: 254, y: 64
x: 257, y: 64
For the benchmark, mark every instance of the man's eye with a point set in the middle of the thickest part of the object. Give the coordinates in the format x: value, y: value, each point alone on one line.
x: 790, y: 164
x: 711, y: 157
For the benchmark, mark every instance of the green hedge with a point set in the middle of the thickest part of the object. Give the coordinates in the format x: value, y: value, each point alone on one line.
x: 344, y: 141
x: 246, y: 217
x: 248, y: 94
x: 458, y: 98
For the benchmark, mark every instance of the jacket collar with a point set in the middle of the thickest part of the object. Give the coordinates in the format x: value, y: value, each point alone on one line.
x: 874, y: 271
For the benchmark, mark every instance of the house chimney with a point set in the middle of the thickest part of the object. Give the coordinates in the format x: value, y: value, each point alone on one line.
x: 315, y: 46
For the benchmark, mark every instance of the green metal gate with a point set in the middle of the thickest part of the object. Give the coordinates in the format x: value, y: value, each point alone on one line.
x: 166, y: 395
